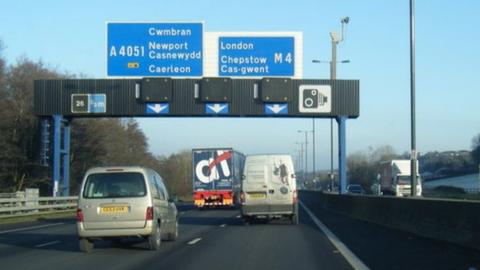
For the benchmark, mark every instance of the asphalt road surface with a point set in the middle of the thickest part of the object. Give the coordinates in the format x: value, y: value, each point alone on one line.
x: 218, y: 239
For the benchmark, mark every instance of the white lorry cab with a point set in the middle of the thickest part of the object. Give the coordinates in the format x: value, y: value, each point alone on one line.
x: 121, y: 202
x: 269, y: 188
x: 394, y: 178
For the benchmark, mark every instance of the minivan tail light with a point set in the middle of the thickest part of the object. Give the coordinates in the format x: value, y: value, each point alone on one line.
x: 295, y: 197
x: 149, y: 215
x: 79, y: 215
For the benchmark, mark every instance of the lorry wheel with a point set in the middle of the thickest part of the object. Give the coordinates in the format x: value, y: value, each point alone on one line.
x: 85, y: 245
x: 155, y: 239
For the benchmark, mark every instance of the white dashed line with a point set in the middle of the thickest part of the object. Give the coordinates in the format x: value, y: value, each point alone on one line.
x: 48, y: 244
x: 353, y: 260
x: 31, y: 228
x: 194, y: 241
x: 239, y: 216
x: 223, y: 225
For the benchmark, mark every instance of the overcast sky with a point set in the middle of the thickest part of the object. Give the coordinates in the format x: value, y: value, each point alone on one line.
x: 70, y: 36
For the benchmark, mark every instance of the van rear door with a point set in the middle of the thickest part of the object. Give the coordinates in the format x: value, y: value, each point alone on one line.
x: 282, y: 183
x: 114, y: 201
x: 255, y: 183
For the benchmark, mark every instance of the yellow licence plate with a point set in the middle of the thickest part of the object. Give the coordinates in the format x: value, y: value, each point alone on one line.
x: 113, y: 209
x: 257, y: 195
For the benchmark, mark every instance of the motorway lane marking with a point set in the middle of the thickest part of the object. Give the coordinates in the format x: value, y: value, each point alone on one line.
x: 194, y: 241
x: 32, y: 228
x: 353, y: 260
x: 48, y: 244
x: 223, y: 225
x: 239, y: 216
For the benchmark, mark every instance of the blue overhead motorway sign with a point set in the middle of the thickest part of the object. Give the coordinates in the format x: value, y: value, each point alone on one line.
x: 256, y: 56
x: 154, y: 49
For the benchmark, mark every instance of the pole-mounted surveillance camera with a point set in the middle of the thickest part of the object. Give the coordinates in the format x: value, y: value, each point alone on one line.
x: 345, y: 20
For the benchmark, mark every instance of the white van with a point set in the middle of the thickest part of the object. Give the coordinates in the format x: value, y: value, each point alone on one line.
x: 119, y: 202
x: 269, y: 188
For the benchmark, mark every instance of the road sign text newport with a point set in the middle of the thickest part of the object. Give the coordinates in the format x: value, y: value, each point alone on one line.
x: 154, y: 49
x: 256, y: 56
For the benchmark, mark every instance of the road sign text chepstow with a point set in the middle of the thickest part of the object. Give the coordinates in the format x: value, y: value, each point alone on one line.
x: 154, y: 49
x: 256, y: 56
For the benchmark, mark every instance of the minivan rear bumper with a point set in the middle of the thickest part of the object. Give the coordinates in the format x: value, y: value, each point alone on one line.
x: 262, y: 209
x: 114, y: 232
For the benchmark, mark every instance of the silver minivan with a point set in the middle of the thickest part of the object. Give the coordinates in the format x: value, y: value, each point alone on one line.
x: 121, y: 202
x: 269, y: 188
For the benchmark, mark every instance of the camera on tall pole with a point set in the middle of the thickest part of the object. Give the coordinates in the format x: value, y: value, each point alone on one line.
x: 336, y: 39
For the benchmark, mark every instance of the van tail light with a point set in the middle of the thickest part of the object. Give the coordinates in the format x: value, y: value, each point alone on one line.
x: 295, y: 196
x: 79, y: 215
x: 242, y: 197
x: 149, y: 215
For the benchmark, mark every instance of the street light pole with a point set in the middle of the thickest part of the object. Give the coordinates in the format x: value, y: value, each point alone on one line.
x: 336, y: 38
x: 300, y: 159
x: 333, y: 62
x: 333, y: 76
x: 306, y: 151
x: 313, y: 148
x: 413, y: 161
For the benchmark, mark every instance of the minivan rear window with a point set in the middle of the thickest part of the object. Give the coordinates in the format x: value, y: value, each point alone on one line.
x: 114, y: 185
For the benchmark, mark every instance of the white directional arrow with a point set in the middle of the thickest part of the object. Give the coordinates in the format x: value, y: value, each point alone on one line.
x: 276, y: 108
x: 217, y: 107
x: 157, y: 108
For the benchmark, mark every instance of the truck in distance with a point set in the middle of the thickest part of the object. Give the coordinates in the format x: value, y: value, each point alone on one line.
x: 216, y: 177
x: 394, y: 179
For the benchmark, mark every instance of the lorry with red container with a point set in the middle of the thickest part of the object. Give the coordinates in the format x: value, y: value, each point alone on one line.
x: 216, y: 177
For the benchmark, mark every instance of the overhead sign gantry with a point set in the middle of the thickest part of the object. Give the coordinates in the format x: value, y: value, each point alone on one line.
x: 169, y: 70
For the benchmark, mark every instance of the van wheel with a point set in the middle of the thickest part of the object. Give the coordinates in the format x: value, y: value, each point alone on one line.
x: 294, y: 217
x: 174, y: 234
x: 85, y: 245
x: 155, y: 239
x: 247, y: 220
